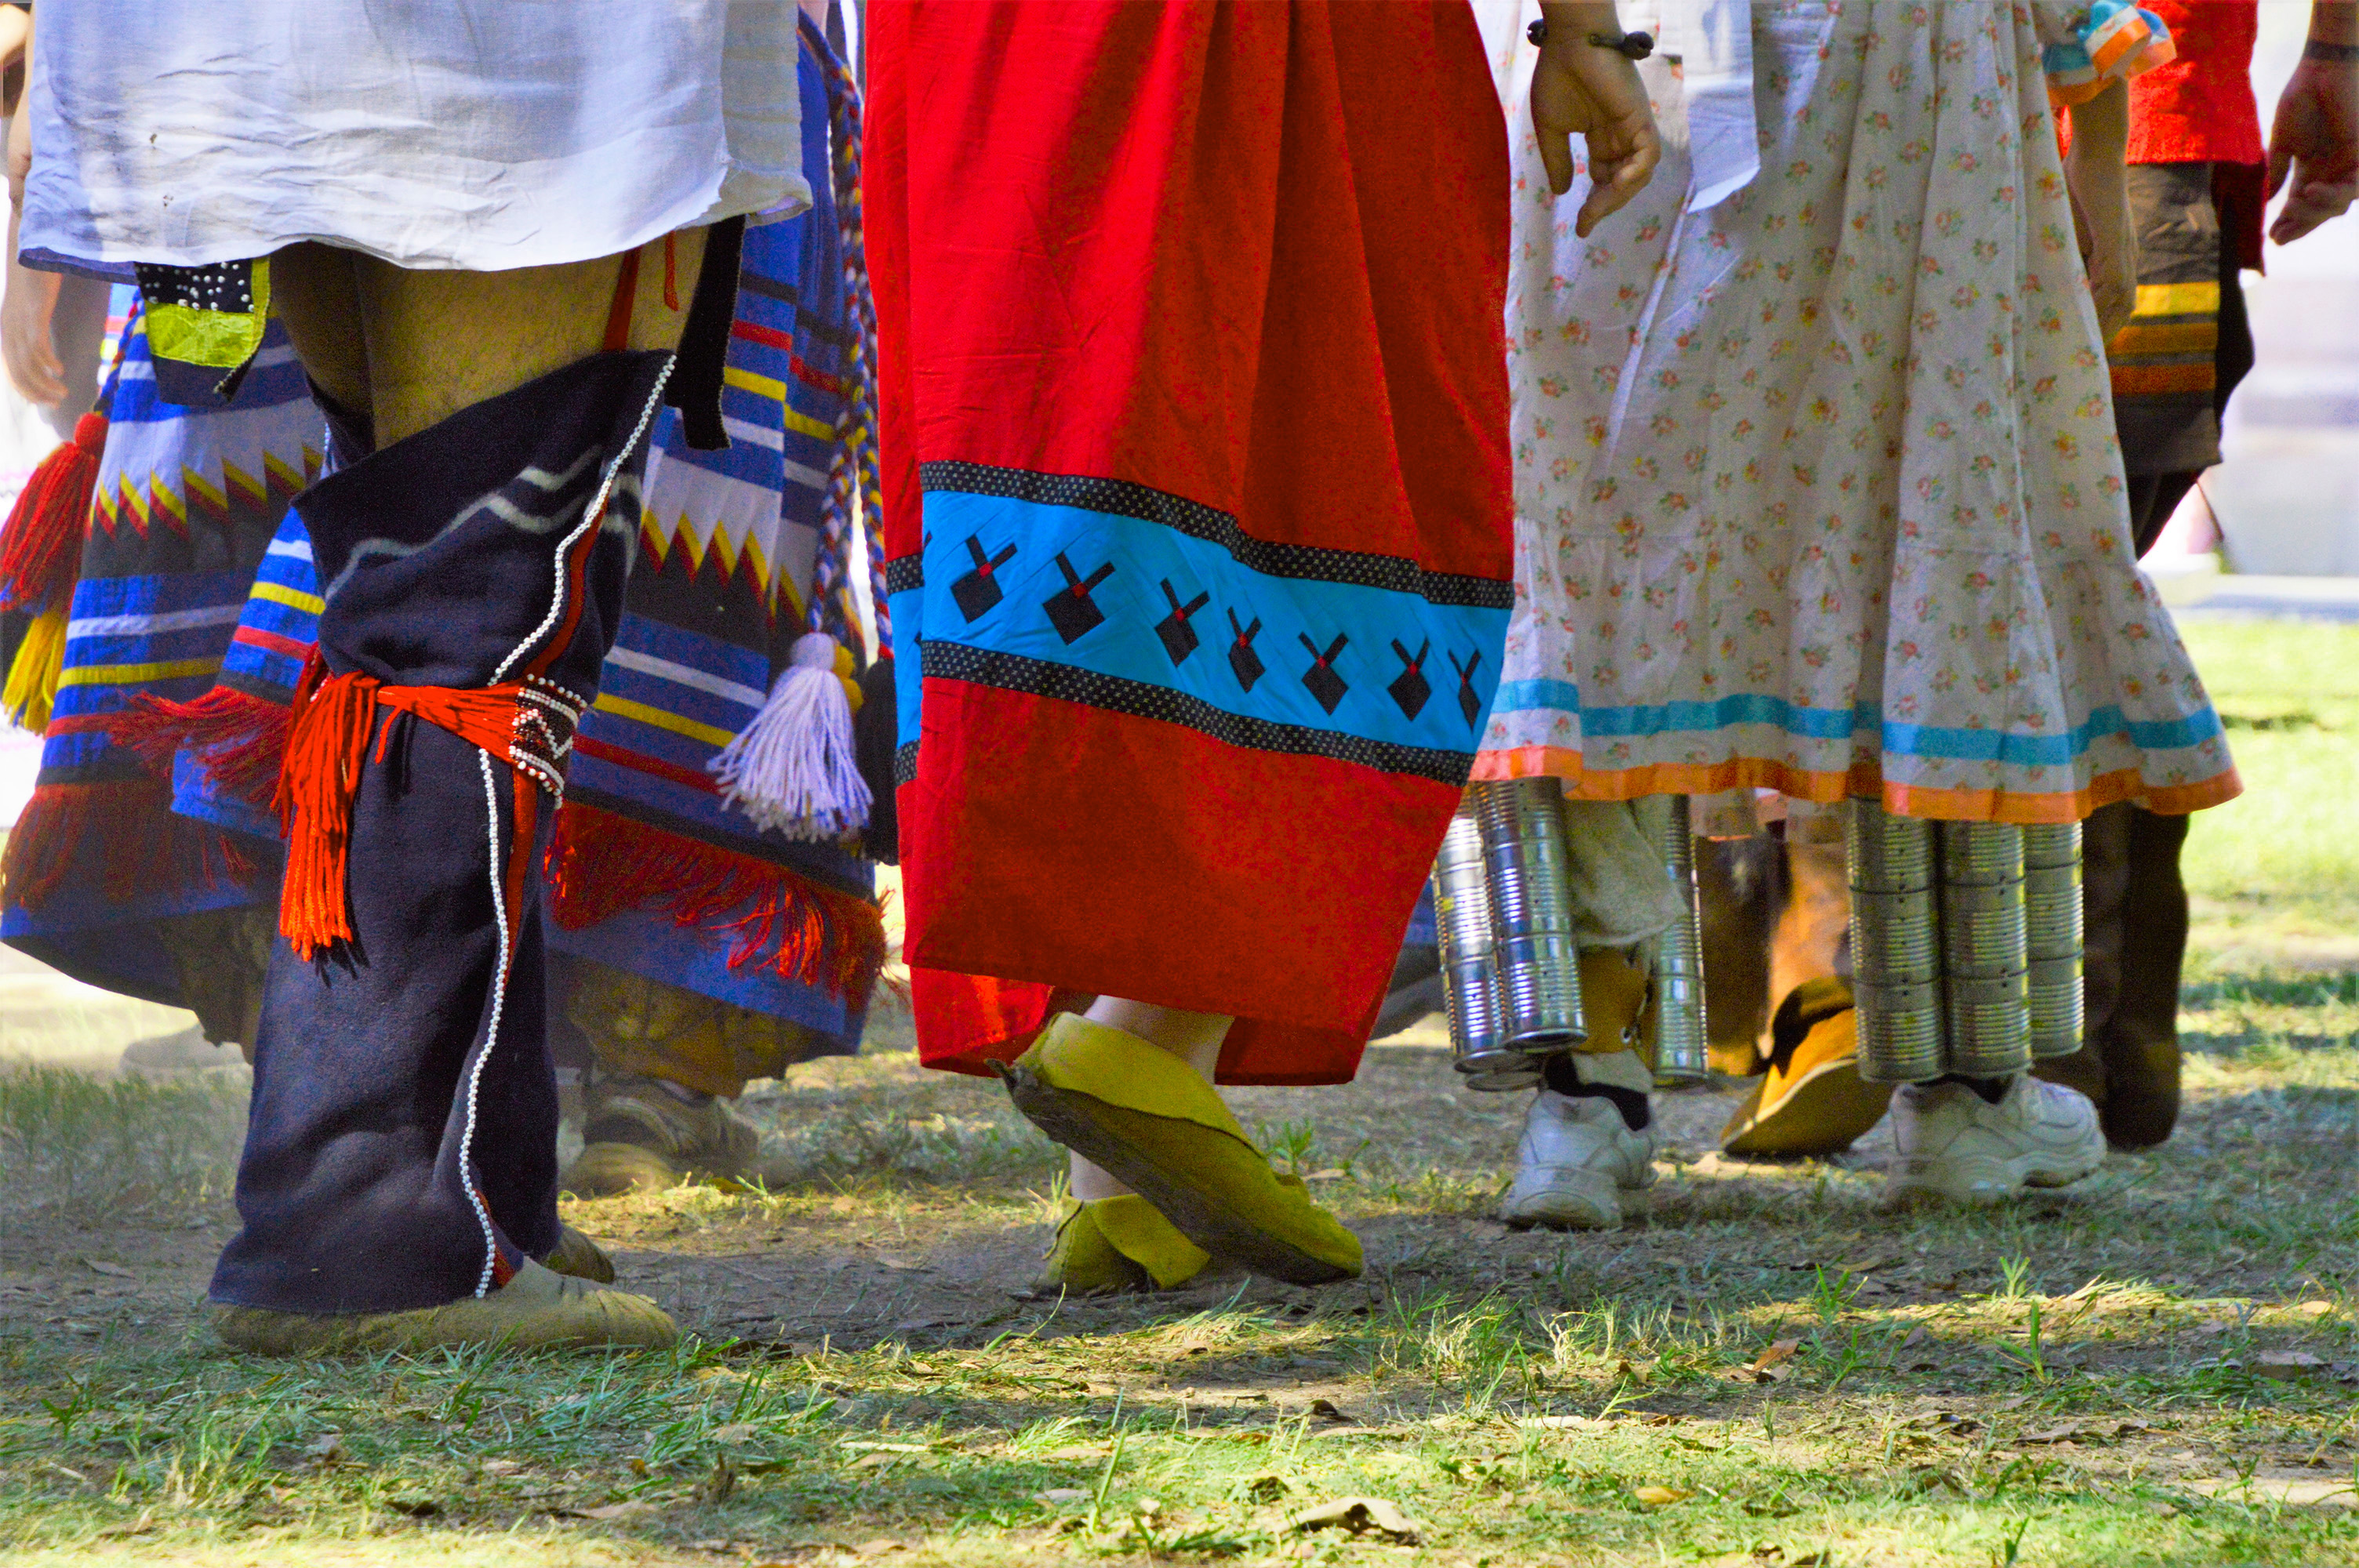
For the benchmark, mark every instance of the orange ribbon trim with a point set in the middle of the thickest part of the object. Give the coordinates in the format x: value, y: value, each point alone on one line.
x: 327, y: 745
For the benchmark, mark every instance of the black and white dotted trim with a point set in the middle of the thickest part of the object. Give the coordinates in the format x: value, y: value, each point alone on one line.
x: 226, y: 287
x: 905, y: 574
x: 1120, y: 498
x: 1012, y: 672
x: 541, y: 741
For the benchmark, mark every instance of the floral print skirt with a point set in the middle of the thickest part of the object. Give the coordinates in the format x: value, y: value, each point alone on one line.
x: 1818, y: 489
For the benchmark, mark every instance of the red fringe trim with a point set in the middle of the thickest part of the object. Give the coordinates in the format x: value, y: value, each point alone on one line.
x: 41, y: 552
x: 143, y: 847
x: 328, y: 731
x: 601, y: 864
x: 239, y: 740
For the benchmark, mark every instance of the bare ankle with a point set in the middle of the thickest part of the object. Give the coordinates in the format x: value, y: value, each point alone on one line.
x: 1088, y: 1182
x: 1194, y: 1037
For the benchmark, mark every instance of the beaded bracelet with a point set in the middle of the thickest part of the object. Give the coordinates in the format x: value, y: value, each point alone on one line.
x: 1629, y: 46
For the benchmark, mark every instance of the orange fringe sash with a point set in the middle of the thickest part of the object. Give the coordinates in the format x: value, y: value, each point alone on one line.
x: 527, y: 724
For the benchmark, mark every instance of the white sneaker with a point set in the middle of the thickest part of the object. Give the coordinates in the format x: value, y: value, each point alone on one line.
x: 1577, y: 1157
x: 1954, y: 1144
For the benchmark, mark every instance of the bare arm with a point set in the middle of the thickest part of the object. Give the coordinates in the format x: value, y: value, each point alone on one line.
x: 16, y: 27
x: 2101, y: 206
x: 26, y: 309
x: 1581, y: 89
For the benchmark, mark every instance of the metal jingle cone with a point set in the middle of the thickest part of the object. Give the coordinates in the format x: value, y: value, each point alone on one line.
x: 1462, y: 909
x: 1681, y: 1046
x: 1894, y: 944
x: 1526, y: 862
x: 2053, y: 936
x: 1986, y: 961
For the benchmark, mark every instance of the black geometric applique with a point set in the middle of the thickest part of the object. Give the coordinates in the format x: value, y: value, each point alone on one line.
x: 1324, y: 684
x: 1412, y: 689
x: 1469, y: 702
x: 1243, y: 660
x: 1071, y: 609
x: 978, y: 590
x: 1180, y: 639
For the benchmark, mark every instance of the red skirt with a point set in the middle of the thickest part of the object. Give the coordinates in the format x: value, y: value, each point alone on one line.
x: 1198, y: 524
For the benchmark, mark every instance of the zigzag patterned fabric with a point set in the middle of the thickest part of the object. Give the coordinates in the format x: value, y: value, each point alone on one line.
x: 652, y: 871
x: 187, y: 503
x: 225, y: 766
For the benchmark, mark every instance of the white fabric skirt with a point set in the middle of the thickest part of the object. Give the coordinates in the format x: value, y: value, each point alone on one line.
x: 463, y: 134
x: 1817, y: 489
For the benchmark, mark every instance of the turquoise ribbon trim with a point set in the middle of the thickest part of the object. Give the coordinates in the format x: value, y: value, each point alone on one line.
x: 1368, y: 636
x: 1895, y: 738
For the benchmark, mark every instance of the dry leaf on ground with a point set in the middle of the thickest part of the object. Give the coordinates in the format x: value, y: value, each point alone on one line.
x: 1660, y: 1497
x: 1359, y: 1514
x: 111, y: 1271
x: 2069, y: 1430
x: 631, y: 1509
x: 2286, y: 1364
x: 1768, y: 1367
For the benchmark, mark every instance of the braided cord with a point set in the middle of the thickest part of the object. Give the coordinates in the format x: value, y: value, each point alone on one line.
x: 854, y: 472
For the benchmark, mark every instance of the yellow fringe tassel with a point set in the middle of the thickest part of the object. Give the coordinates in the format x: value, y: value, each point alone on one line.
x: 32, y: 687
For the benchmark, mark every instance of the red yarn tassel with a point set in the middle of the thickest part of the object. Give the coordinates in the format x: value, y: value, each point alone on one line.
x: 601, y: 864
x: 41, y: 552
x: 239, y: 740
x: 327, y: 741
x: 126, y: 833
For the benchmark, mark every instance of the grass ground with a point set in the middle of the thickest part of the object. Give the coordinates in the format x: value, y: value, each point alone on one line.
x: 1764, y: 1369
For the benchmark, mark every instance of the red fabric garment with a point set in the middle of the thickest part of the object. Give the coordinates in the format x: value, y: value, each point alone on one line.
x: 2199, y: 108
x: 1251, y: 256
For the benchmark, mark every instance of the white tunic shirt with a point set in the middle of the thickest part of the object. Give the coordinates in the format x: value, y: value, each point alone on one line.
x: 469, y: 134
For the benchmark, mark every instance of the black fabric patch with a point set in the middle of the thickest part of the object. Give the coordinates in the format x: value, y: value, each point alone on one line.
x: 1470, y: 701
x: 1179, y: 638
x: 695, y: 385
x: 1242, y: 661
x: 1326, y: 687
x: 1070, y: 608
x: 873, y: 731
x: 1119, y: 498
x: 1012, y: 672
x: 978, y: 593
x: 1410, y: 689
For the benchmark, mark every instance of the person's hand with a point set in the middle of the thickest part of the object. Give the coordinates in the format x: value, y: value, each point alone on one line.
x: 2108, y: 235
x: 1581, y: 89
x: 2316, y: 138
x: 26, y: 347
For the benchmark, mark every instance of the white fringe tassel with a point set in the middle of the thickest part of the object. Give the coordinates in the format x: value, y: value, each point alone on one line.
x: 791, y: 769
